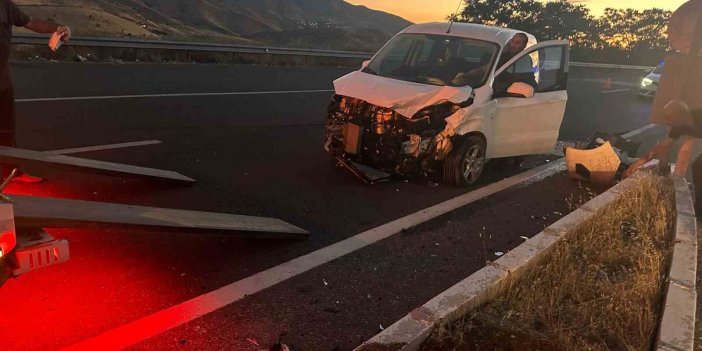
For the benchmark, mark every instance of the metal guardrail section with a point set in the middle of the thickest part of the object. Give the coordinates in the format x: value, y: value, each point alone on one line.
x: 186, y: 46
x: 220, y: 47
x: 607, y: 65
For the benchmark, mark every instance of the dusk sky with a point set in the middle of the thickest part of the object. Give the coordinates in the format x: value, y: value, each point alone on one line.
x: 437, y: 10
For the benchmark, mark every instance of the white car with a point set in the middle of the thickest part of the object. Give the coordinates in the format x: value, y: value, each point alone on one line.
x: 434, y: 101
x: 649, y: 84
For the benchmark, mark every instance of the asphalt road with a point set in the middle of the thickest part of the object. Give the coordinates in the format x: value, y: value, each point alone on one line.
x: 257, y: 154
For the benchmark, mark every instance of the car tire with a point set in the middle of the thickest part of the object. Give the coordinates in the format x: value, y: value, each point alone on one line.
x: 466, y: 163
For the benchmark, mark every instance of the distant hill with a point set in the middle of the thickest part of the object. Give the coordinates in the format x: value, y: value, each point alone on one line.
x: 327, y: 24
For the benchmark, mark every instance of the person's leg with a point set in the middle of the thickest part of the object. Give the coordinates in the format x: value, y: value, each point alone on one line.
x: 697, y: 183
x: 7, y: 124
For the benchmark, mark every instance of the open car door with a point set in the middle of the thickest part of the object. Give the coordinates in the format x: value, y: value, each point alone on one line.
x: 530, y: 125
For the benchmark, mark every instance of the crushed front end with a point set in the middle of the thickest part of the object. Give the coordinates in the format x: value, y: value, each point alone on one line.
x: 361, y: 135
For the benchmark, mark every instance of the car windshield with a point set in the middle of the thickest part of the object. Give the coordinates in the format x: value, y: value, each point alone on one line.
x: 435, y: 59
x: 658, y: 69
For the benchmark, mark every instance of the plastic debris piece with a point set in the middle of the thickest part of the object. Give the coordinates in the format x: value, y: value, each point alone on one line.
x: 499, y: 253
x: 524, y: 237
x: 598, y: 165
x: 55, y: 41
x: 325, y: 282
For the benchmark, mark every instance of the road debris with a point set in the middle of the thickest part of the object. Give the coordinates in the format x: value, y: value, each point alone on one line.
x: 332, y: 310
x: 603, y: 160
x: 279, y: 346
x: 499, y: 253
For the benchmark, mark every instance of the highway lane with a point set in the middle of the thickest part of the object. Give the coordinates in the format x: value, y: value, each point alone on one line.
x: 254, y: 154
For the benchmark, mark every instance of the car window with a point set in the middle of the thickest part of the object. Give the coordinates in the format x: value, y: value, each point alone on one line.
x: 435, y: 59
x: 543, y: 69
x: 551, y: 69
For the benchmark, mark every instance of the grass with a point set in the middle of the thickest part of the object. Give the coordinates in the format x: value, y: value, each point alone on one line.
x: 600, y: 289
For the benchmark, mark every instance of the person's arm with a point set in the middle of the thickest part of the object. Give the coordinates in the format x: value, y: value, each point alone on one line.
x: 661, y: 148
x: 683, y: 160
x: 40, y: 26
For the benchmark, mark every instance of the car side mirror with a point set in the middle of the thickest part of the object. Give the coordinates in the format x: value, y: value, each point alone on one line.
x: 520, y: 89
x: 365, y: 64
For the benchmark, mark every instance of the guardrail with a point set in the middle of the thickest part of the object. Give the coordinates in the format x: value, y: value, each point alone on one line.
x: 187, y: 46
x: 233, y: 48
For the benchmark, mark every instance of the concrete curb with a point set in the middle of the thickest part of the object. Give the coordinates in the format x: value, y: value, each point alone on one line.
x: 409, y: 333
x: 677, y: 330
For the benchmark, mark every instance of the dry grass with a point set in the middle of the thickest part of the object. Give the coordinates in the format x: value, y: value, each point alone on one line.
x: 601, y: 289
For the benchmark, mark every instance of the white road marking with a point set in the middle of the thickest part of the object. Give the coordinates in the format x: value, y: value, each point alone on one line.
x: 636, y: 132
x: 102, y: 147
x: 614, y: 91
x: 112, y: 97
x: 172, y: 317
x: 604, y: 81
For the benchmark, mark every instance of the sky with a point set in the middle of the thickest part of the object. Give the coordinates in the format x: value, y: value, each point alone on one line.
x: 437, y: 10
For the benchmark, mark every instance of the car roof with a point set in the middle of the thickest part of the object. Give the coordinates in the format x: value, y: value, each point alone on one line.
x: 469, y: 30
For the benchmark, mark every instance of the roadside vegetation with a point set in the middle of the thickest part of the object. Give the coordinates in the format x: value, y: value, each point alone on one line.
x: 600, y: 289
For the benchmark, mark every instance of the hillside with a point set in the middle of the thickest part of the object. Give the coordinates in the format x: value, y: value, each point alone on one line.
x: 328, y: 24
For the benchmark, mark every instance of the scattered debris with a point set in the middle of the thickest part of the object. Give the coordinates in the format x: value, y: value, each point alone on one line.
x: 279, y: 346
x: 499, y: 253
x: 81, y: 58
x: 381, y: 328
x: 325, y: 282
x: 332, y: 310
x: 603, y: 160
x: 524, y: 237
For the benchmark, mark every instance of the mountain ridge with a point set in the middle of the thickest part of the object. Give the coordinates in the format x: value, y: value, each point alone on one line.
x: 327, y: 24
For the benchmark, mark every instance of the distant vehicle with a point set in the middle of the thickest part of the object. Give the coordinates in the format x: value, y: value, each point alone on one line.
x: 433, y: 101
x: 649, y: 84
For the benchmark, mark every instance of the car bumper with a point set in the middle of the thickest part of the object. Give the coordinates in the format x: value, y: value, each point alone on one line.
x: 649, y: 91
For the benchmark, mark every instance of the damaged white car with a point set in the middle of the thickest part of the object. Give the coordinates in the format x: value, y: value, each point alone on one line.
x: 433, y: 101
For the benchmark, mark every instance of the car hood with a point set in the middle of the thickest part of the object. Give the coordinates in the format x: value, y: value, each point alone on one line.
x: 405, y: 98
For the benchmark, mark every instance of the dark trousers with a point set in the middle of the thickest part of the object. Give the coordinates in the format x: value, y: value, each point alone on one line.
x: 7, y: 117
x: 7, y: 124
x: 697, y: 182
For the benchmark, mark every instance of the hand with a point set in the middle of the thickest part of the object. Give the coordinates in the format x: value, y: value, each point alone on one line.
x: 64, y: 33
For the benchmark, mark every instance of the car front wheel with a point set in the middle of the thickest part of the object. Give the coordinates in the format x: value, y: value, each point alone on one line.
x: 466, y: 163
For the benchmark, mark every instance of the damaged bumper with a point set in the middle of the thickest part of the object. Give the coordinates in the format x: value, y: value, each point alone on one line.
x: 602, y: 161
x: 374, y: 142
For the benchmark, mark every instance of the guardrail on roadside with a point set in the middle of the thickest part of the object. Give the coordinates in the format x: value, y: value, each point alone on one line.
x: 233, y: 48
x: 187, y: 46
